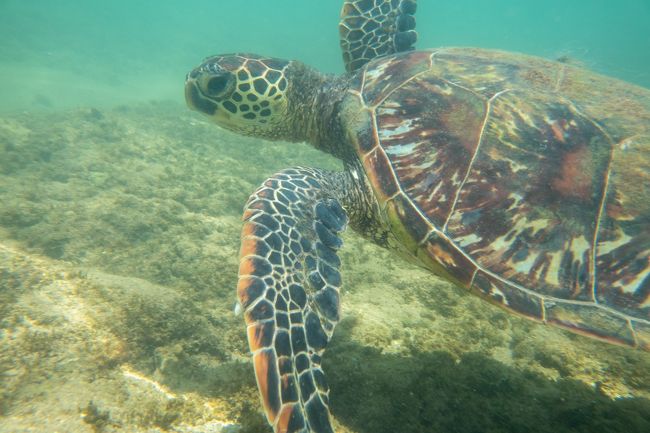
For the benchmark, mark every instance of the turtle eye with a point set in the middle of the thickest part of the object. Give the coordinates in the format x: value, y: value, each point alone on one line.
x: 218, y: 85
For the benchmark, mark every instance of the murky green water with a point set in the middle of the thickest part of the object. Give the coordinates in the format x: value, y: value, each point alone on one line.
x: 68, y: 53
x: 120, y: 223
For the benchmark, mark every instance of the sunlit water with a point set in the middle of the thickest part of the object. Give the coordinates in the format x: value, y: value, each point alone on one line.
x: 74, y: 52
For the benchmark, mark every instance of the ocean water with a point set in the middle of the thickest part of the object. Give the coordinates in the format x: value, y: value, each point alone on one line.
x: 120, y: 221
x: 69, y: 52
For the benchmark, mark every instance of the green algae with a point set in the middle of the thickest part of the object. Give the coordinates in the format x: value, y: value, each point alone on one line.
x: 119, y: 235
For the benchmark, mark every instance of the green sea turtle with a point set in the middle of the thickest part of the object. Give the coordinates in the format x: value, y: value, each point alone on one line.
x: 523, y: 180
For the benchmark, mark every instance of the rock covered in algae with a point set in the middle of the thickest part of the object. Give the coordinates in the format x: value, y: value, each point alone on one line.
x: 119, y: 235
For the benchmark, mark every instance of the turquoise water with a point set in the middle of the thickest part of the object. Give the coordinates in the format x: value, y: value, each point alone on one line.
x: 120, y: 226
x: 73, y: 52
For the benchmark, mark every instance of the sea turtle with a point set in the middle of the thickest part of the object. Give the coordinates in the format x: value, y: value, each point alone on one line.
x: 524, y: 180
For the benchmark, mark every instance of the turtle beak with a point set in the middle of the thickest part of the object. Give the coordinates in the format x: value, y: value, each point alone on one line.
x: 194, y: 98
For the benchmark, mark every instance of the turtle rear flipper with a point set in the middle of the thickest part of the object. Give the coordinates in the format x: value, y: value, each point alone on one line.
x: 289, y: 288
x: 375, y: 28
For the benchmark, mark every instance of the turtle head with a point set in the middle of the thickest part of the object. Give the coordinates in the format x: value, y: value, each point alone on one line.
x: 244, y: 93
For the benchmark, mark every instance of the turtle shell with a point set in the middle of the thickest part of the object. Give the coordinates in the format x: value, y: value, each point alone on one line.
x: 524, y: 180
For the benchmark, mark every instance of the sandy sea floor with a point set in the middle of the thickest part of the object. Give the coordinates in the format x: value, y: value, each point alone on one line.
x: 119, y: 236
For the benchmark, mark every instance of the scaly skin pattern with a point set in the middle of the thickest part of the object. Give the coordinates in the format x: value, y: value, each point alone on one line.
x: 375, y: 28
x: 524, y: 180
x: 288, y: 286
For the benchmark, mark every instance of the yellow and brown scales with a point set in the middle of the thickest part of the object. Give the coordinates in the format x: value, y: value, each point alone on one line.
x: 524, y: 180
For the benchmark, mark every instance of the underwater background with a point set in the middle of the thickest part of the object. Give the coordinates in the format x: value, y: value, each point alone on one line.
x: 120, y: 214
x: 72, y: 52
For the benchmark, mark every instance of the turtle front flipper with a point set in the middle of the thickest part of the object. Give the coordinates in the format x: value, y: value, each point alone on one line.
x: 375, y: 28
x: 289, y: 289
